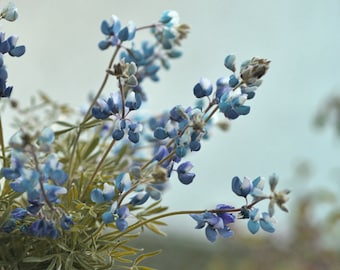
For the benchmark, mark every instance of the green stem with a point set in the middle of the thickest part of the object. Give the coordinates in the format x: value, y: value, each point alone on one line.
x: 2, y: 144
x: 185, y: 212
x: 41, y: 184
x: 87, y: 115
x: 100, y: 163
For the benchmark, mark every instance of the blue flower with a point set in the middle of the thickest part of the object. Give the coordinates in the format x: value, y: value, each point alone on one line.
x: 9, y: 46
x: 5, y: 91
x: 231, y: 104
x: 140, y: 198
x: 9, y: 12
x: 241, y: 188
x: 133, y: 101
x: 203, y: 88
x: 114, y: 33
x: 19, y: 213
x: 123, y: 182
x: 9, y: 225
x: 256, y: 221
x: 229, y: 62
x: 183, y: 173
x: 43, y: 228
x: 66, y: 222
x: 118, y: 215
x: 105, y: 195
x: 215, y: 224
x: 105, y: 108
x: 128, y: 32
x: 134, y: 130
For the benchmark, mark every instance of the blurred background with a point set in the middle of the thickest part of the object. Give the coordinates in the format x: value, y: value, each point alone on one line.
x: 302, y: 40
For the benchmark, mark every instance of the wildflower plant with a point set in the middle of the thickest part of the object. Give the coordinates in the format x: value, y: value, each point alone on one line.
x: 74, y: 193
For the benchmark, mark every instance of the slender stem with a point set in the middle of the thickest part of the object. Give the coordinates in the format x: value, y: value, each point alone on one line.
x: 87, y: 115
x: 2, y: 144
x: 100, y: 163
x: 36, y: 165
x: 185, y: 212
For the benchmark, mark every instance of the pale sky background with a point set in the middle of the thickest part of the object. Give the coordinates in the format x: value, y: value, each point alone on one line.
x: 301, y: 38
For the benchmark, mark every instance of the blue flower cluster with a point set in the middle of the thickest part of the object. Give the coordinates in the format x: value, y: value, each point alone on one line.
x: 168, y: 33
x: 255, y: 189
x: 218, y: 220
x: 7, y: 46
x: 216, y: 223
x: 40, y: 176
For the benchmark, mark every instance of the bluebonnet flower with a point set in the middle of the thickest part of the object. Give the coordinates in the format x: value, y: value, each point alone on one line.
x: 105, y: 195
x: 9, y: 225
x: 134, y: 130
x: 184, y: 175
x: 241, y: 188
x: 19, y: 213
x: 9, y: 12
x: 40, y: 182
x: 258, y: 185
x: 231, y: 104
x: 229, y: 62
x: 123, y: 182
x: 203, y: 88
x: 9, y: 46
x: 222, y: 87
x: 111, y: 106
x: 216, y: 223
x: 233, y: 80
x: 5, y: 91
x: 114, y: 33
x: 169, y: 32
x: 256, y: 221
x: 140, y: 198
x: 43, y: 228
x: 118, y: 216
x: 66, y: 222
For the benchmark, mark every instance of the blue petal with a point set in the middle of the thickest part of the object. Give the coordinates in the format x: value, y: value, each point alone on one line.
x: 233, y: 81
x: 17, y: 51
x: 122, y: 224
x: 104, y: 44
x: 211, y: 234
x: 108, y: 217
x: 229, y: 62
x: 242, y: 109
x: 97, y: 195
x: 160, y: 133
x: 186, y: 178
x: 226, y: 232
x: 266, y: 225
x: 253, y: 226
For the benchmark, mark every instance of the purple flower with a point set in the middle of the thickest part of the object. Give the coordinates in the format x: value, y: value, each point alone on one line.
x: 217, y: 224
x: 183, y: 173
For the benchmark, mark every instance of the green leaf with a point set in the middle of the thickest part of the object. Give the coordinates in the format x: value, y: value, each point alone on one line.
x: 52, y: 264
x: 38, y: 259
x: 142, y: 257
x: 88, y: 149
x: 155, y: 229
x: 65, y: 124
x: 145, y: 268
